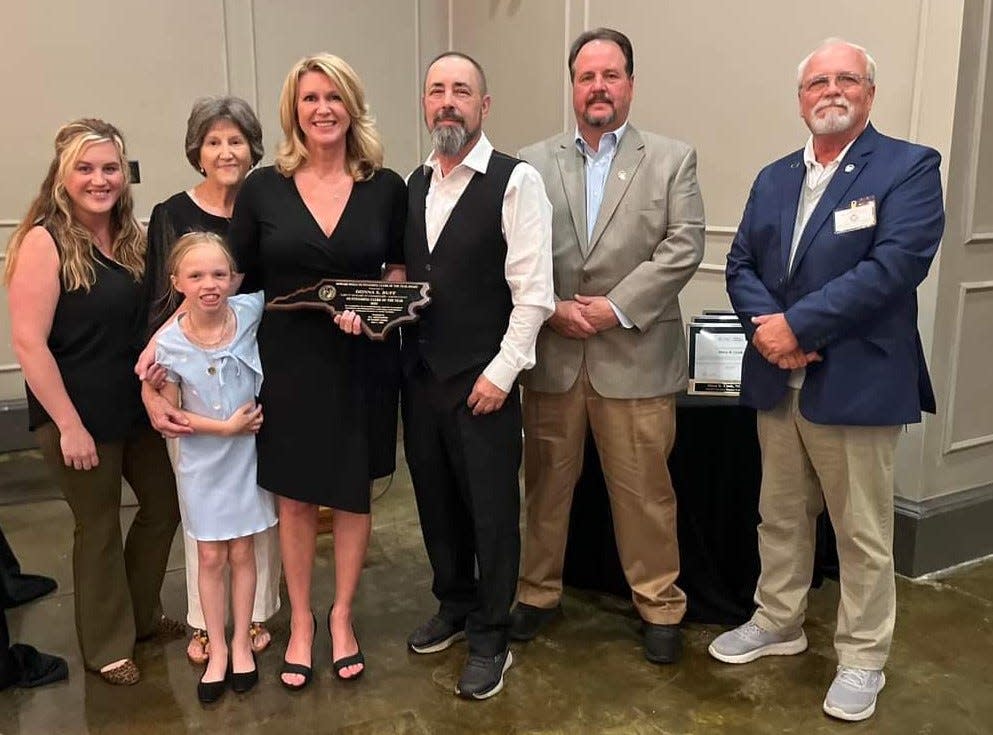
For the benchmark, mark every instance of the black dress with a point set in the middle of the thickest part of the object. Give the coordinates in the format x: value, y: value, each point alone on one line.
x: 170, y: 220
x: 329, y: 399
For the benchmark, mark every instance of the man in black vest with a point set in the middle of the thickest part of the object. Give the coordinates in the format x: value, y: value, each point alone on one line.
x: 484, y: 244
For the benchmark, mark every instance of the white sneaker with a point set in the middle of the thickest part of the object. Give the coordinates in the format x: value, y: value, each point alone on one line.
x: 748, y: 642
x: 852, y: 695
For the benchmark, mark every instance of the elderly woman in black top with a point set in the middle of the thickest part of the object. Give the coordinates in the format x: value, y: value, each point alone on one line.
x: 223, y: 143
x: 74, y: 277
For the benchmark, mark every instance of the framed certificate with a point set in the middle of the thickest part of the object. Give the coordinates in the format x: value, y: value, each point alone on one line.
x: 716, y: 349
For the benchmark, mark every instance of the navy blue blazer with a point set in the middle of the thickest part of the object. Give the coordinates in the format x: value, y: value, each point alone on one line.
x: 852, y: 297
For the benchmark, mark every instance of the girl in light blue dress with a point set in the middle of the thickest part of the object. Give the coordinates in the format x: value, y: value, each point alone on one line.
x: 212, y: 364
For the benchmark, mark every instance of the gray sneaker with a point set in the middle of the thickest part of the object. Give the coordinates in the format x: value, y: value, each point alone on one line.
x: 435, y: 635
x: 748, y: 642
x: 852, y: 695
x: 482, y: 676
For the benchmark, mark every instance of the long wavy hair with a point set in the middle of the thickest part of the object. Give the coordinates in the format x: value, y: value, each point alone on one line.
x: 53, y: 210
x: 363, y: 146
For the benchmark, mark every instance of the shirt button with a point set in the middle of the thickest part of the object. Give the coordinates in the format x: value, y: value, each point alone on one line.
x: 217, y: 406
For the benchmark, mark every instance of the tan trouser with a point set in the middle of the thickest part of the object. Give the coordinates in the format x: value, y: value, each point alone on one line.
x: 116, y: 583
x: 850, y: 468
x: 634, y: 438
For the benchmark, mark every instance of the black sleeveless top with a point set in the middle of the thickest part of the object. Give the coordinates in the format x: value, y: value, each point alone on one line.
x: 95, y: 339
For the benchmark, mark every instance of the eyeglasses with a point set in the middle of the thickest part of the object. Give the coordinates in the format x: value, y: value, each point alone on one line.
x: 844, y: 80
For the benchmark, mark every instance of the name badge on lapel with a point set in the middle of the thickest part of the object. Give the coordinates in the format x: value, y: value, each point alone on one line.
x: 858, y: 215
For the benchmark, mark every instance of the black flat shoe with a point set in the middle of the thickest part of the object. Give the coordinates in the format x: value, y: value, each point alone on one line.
x: 245, y: 681
x: 305, y: 671
x: 345, y: 661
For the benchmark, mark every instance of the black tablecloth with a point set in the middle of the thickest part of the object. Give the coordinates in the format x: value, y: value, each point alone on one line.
x: 716, y: 471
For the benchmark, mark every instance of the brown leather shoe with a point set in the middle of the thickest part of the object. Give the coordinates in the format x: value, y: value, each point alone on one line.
x: 126, y: 674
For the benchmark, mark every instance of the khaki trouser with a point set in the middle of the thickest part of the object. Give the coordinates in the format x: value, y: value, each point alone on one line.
x: 116, y: 583
x: 634, y: 438
x: 850, y: 468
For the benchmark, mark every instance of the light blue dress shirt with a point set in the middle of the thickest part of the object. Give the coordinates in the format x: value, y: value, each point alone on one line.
x: 598, y: 164
x: 597, y: 168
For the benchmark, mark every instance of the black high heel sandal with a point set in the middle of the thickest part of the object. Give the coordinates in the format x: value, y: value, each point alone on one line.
x: 305, y: 671
x: 345, y: 661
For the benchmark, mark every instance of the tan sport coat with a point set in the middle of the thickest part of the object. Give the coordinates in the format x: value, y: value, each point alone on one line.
x: 647, y: 243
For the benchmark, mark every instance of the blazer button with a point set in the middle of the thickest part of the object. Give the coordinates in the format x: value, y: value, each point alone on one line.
x: 427, y: 267
x: 587, y: 278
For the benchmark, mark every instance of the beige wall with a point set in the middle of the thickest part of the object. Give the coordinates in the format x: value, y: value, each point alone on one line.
x: 957, y: 448
x: 719, y: 74
x: 141, y: 63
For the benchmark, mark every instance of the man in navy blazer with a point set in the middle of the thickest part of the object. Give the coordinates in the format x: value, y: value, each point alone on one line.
x: 823, y: 273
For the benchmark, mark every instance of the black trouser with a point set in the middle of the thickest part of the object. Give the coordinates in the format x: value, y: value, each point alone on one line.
x: 465, y: 472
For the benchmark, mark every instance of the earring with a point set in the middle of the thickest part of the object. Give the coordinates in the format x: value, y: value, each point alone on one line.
x: 202, y: 172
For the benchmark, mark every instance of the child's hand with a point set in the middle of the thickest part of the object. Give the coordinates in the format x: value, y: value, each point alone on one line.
x: 246, y: 420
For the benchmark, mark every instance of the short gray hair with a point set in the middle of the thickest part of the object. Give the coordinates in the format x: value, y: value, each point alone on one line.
x: 207, y: 111
x: 870, y: 63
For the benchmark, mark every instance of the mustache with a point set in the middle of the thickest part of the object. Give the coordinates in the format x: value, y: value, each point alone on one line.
x: 450, y: 114
x: 837, y: 101
x: 598, y: 97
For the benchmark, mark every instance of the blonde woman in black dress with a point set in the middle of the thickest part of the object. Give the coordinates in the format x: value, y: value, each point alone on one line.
x: 327, y: 209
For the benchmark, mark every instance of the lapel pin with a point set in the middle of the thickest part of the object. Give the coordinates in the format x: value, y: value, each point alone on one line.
x: 795, y: 164
x: 622, y: 175
x: 849, y: 168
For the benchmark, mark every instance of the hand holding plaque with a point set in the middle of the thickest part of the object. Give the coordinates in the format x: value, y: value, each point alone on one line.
x: 382, y: 305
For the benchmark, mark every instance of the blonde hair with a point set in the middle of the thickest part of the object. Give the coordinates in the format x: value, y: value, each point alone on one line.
x: 52, y: 209
x: 180, y: 250
x: 363, y: 146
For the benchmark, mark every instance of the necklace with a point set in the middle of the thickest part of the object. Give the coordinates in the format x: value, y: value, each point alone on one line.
x: 221, y: 337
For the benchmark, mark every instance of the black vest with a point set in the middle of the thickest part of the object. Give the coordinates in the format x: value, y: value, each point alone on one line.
x: 470, y: 300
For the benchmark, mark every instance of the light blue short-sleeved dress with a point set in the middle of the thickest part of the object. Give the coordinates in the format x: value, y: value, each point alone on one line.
x: 219, y: 496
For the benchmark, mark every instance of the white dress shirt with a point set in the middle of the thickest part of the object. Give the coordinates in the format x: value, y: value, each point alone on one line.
x: 526, y: 223
x: 815, y: 183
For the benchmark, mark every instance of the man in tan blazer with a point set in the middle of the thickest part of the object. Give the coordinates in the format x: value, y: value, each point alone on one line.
x: 628, y: 233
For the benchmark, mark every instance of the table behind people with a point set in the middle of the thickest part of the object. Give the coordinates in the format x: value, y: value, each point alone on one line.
x: 327, y: 209
x: 223, y: 142
x: 74, y: 275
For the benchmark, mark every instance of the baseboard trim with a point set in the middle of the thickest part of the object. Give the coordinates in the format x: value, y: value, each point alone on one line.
x: 14, y: 432
x: 938, y: 533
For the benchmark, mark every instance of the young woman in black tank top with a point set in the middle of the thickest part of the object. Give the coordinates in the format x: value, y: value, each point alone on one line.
x: 74, y: 277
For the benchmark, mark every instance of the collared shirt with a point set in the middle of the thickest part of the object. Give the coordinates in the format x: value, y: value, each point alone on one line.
x: 815, y: 183
x: 598, y: 163
x: 526, y: 223
x: 597, y: 167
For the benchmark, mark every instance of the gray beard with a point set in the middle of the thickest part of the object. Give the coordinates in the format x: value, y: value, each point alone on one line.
x: 599, y: 121
x: 448, y: 140
x: 836, y: 121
